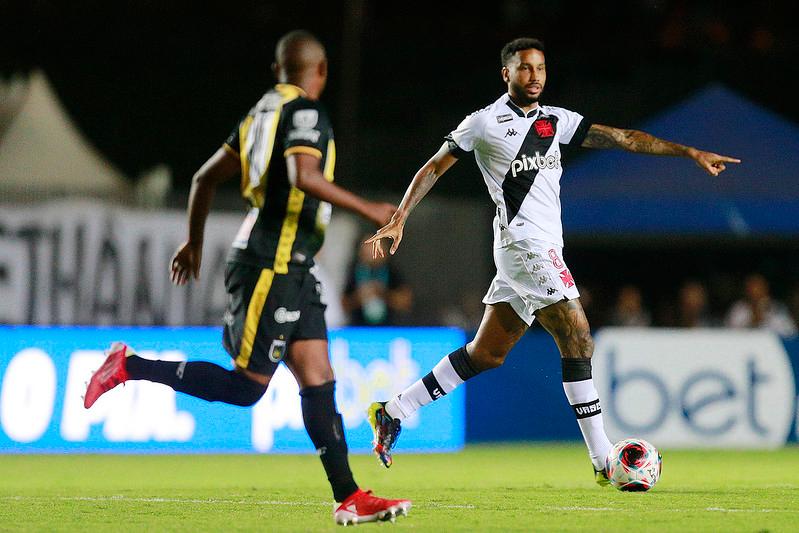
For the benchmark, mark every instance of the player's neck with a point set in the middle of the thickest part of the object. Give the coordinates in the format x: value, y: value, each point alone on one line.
x: 312, y: 89
x: 526, y: 108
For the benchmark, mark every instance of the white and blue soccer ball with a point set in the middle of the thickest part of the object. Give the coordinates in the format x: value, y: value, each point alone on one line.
x: 633, y: 465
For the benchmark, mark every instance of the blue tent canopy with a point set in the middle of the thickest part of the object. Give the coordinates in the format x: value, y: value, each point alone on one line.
x: 614, y: 192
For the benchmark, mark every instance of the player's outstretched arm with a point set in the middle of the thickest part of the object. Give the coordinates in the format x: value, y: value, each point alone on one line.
x: 600, y: 136
x: 422, y: 182
x: 305, y: 174
x: 220, y: 167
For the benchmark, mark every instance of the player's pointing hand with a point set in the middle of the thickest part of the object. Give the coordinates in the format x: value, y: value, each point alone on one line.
x: 713, y: 164
x: 393, y: 231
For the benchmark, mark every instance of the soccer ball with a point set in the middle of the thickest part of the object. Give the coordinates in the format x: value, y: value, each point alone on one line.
x: 633, y: 465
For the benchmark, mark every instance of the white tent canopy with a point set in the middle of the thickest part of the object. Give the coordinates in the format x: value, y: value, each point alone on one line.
x: 44, y: 155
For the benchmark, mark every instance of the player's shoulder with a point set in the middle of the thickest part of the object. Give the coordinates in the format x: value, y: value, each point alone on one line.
x: 558, y: 111
x: 483, y: 114
x: 302, y: 102
x: 303, y: 112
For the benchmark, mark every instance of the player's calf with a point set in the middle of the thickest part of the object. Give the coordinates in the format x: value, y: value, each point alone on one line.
x: 325, y: 427
x: 385, y: 417
x: 578, y: 385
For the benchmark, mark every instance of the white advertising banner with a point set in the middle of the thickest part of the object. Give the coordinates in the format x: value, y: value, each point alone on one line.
x: 87, y: 263
x: 697, y: 388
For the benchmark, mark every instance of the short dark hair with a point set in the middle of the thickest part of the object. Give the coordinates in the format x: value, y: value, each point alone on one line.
x: 522, y: 43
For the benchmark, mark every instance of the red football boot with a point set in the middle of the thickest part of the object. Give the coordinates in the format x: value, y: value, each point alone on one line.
x: 110, y: 374
x: 362, y: 506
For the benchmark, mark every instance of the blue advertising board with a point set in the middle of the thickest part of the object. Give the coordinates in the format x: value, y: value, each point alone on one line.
x: 44, y: 370
x: 676, y: 388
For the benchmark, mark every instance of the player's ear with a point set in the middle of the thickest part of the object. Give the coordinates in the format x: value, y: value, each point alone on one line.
x: 323, y: 68
x: 505, y: 75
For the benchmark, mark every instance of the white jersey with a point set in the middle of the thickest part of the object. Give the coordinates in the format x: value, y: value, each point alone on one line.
x: 519, y: 157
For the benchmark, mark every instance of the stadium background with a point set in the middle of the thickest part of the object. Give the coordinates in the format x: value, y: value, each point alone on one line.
x: 149, y: 89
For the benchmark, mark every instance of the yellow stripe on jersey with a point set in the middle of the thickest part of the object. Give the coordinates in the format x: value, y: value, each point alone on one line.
x: 229, y: 149
x: 244, y: 129
x: 288, y: 232
x: 254, y: 192
x: 330, y: 164
x: 254, y: 310
x: 303, y: 150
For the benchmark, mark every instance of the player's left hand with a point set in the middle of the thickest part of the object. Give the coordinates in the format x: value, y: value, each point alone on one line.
x: 381, y: 212
x: 713, y: 164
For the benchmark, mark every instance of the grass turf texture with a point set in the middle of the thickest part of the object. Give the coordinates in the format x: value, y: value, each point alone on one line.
x: 498, y: 488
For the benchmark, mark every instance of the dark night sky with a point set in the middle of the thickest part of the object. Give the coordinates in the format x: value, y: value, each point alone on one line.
x: 165, y: 81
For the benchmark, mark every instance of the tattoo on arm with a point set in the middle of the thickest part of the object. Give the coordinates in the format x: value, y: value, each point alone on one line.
x: 600, y: 136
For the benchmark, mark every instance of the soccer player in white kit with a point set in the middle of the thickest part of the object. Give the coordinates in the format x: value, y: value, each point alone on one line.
x: 516, y: 144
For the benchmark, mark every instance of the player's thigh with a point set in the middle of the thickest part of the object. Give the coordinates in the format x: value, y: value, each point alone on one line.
x: 261, y: 317
x: 308, y: 357
x: 568, y: 325
x: 308, y: 360
x: 500, y: 329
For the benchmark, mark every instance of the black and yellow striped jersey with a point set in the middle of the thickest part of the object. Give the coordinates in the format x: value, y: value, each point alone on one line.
x: 284, y: 228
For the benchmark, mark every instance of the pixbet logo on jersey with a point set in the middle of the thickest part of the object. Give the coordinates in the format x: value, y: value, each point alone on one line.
x: 536, y: 162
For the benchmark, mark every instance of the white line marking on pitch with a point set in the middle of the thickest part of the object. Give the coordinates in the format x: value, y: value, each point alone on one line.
x: 724, y: 510
x: 119, y: 498
x: 709, y: 509
x: 575, y: 508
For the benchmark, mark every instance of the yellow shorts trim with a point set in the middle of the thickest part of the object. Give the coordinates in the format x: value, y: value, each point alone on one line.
x: 254, y: 310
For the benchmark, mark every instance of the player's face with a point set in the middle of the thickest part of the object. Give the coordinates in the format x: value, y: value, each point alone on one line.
x: 526, y: 75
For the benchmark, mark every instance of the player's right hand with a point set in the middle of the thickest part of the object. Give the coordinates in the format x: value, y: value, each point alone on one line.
x: 393, y: 231
x: 186, y: 262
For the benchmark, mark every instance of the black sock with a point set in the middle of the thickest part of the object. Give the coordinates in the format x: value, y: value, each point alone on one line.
x: 575, y: 368
x: 325, y: 427
x: 462, y: 363
x: 198, y: 378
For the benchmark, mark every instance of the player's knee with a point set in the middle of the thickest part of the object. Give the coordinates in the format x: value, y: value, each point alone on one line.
x: 246, y: 391
x: 486, y: 358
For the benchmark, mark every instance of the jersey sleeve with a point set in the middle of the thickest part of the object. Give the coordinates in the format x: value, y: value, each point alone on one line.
x: 466, y: 136
x: 307, y: 128
x: 573, y: 127
x: 231, y: 144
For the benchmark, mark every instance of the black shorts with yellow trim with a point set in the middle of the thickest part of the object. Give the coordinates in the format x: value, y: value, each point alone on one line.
x: 266, y: 312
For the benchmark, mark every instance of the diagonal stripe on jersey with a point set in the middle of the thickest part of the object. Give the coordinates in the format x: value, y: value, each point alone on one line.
x: 524, y: 168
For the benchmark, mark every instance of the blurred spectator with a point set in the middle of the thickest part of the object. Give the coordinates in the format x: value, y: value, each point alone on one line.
x: 466, y: 314
x: 758, y: 310
x: 693, y: 306
x: 629, y: 310
x: 793, y: 302
x: 376, y: 294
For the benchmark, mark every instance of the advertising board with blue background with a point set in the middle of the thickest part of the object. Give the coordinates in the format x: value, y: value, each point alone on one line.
x: 698, y: 388
x: 676, y: 388
x: 44, y: 371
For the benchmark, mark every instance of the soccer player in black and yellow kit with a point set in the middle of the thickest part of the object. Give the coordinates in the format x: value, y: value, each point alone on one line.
x: 285, y: 153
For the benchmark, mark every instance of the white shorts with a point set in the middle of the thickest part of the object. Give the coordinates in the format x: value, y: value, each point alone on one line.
x: 530, y: 275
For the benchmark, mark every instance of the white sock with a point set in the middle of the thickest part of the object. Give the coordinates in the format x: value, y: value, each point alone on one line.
x: 585, y: 401
x: 439, y: 382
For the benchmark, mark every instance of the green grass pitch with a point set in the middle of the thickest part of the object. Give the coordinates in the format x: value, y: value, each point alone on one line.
x: 485, y: 488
